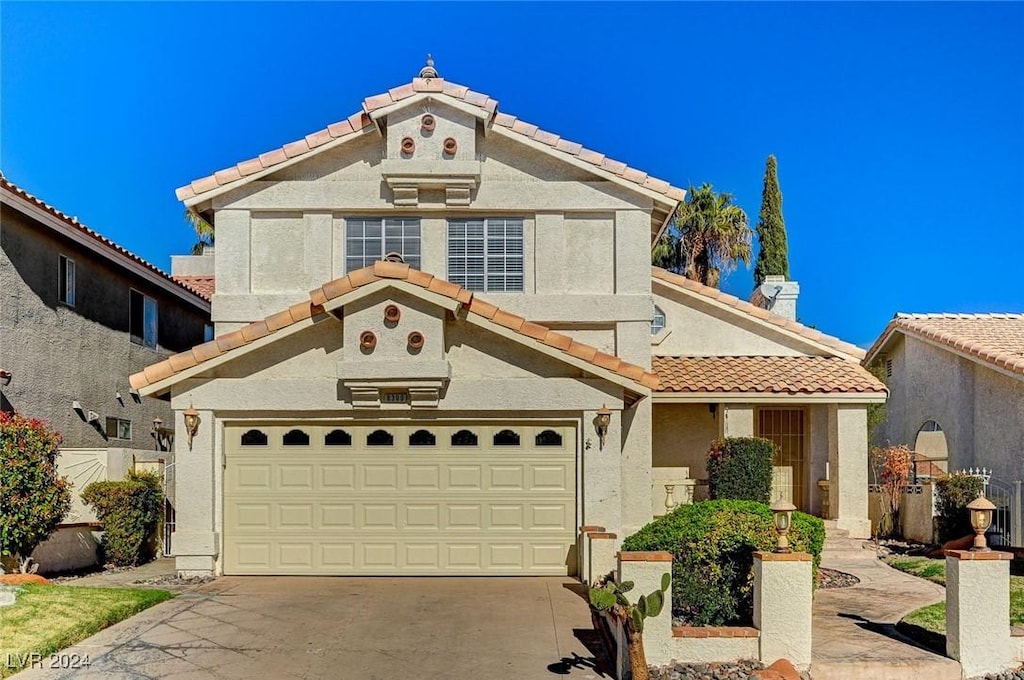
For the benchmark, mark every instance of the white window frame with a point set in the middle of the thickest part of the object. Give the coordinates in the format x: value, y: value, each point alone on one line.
x: 658, y: 321
x: 66, y: 280
x: 147, y: 301
x: 400, y: 242
x: 492, y: 252
x: 118, y: 423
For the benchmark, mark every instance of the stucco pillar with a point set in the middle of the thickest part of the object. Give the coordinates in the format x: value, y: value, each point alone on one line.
x: 195, y: 543
x: 848, y: 468
x: 636, y: 467
x: 736, y: 420
x: 978, y: 611
x: 602, y: 469
x: 782, y: 606
x: 645, y: 570
x: 603, y: 546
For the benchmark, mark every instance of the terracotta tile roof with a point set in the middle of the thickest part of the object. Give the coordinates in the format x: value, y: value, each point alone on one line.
x: 357, y: 122
x: 758, y: 312
x: 996, y: 339
x: 73, y: 222
x: 763, y: 374
x: 379, y: 271
x: 201, y: 284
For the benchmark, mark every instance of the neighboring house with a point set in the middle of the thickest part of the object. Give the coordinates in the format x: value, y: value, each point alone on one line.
x: 481, y: 303
x: 78, y: 314
x: 956, y: 385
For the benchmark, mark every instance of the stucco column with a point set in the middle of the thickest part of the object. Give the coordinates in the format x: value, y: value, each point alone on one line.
x: 195, y: 543
x: 978, y: 611
x: 782, y: 606
x: 636, y: 467
x: 601, y: 499
x: 848, y: 468
x: 736, y: 420
x: 645, y: 570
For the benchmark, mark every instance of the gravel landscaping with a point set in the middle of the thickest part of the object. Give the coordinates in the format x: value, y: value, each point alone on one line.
x: 830, y: 578
x: 740, y: 670
x: 172, y: 580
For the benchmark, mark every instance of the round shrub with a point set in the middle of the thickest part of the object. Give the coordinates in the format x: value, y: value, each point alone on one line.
x: 713, y: 544
x: 955, y: 491
x: 130, y: 512
x: 740, y: 468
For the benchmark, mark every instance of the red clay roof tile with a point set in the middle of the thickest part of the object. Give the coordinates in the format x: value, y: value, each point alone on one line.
x: 764, y: 374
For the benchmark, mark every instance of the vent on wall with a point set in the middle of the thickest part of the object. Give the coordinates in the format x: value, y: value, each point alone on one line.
x: 888, y: 368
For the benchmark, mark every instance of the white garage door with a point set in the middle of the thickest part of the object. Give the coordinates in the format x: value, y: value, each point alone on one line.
x: 379, y: 498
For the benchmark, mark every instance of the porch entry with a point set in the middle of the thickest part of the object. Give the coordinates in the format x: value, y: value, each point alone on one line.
x: 786, y: 428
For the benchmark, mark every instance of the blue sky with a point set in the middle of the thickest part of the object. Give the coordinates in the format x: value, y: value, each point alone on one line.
x: 899, y: 128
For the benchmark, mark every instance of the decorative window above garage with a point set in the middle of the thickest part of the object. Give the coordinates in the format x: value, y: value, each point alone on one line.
x: 369, y: 239
x: 486, y: 254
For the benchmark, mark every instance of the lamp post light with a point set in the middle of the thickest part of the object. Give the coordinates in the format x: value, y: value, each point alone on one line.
x: 981, y: 519
x: 782, y: 514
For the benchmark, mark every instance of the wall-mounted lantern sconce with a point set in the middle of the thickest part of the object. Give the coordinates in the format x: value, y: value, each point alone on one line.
x: 603, y: 420
x: 981, y: 519
x: 782, y: 513
x: 5, y: 378
x: 192, y: 421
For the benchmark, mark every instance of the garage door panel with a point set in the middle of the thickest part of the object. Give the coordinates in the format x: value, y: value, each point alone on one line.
x: 441, y: 509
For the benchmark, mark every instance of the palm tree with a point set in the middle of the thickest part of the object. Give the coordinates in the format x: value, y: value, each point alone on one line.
x: 709, y: 236
x: 203, y: 229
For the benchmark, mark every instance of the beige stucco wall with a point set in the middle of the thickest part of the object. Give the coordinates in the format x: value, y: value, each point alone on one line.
x: 682, y: 436
x: 980, y: 410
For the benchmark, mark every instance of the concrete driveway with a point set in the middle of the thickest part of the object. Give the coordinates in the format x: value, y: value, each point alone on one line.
x: 351, y: 628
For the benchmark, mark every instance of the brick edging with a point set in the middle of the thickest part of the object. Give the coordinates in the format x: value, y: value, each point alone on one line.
x: 645, y: 556
x: 989, y: 555
x: 715, y: 632
x: 601, y: 534
x: 590, y: 528
x: 782, y: 557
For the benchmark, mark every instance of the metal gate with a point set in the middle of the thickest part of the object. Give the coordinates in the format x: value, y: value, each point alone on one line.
x: 1006, y: 519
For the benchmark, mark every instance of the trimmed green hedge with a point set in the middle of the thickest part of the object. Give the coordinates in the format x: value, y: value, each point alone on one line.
x: 130, y: 510
x: 955, y: 491
x: 740, y: 468
x: 712, y: 544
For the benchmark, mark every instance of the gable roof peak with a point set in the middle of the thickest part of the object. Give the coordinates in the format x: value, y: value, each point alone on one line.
x: 429, y: 71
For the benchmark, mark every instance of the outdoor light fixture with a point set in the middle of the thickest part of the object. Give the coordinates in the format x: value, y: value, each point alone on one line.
x: 192, y: 421
x: 603, y: 420
x: 5, y: 378
x: 782, y: 512
x: 981, y: 519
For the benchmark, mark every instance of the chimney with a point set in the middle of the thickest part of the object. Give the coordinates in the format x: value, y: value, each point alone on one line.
x: 777, y: 295
x: 193, y: 265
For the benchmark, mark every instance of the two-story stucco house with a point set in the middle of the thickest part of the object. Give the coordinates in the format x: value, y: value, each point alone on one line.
x: 78, y: 314
x: 957, y: 390
x: 442, y: 349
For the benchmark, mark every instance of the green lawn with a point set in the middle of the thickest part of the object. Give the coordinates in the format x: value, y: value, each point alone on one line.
x: 46, y: 618
x: 933, y: 617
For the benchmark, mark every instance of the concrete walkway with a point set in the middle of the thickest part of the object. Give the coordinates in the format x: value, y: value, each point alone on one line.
x: 854, y: 628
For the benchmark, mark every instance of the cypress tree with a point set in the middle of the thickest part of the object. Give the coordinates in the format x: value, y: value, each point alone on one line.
x: 773, y: 256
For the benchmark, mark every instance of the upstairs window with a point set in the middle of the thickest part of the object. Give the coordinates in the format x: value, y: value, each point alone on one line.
x: 119, y: 428
x: 66, y: 280
x: 657, y: 321
x: 142, y: 319
x: 369, y: 239
x: 486, y: 254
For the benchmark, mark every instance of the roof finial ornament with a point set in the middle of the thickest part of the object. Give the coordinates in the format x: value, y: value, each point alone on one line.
x: 429, y: 71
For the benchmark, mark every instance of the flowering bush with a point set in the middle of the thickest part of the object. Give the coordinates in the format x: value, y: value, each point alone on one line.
x: 891, y: 466
x: 34, y: 497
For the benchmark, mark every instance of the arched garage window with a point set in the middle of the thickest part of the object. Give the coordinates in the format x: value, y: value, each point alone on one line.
x: 506, y: 438
x: 464, y: 438
x: 548, y: 438
x: 380, y: 438
x: 338, y: 438
x: 254, y: 438
x: 295, y: 438
x: 422, y: 438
